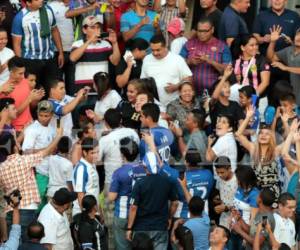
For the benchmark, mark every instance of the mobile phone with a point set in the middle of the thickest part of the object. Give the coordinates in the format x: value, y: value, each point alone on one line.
x: 181, y: 175
x: 264, y: 221
x: 104, y: 35
x: 58, y: 123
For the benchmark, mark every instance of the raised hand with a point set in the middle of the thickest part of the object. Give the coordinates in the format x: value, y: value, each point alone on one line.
x: 275, y: 33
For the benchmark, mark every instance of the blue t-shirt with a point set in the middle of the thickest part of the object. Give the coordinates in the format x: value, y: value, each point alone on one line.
x: 199, y: 183
x: 57, y: 107
x: 131, y: 19
x: 200, y: 229
x: 163, y: 138
x: 122, y: 181
x: 243, y: 202
x: 232, y: 24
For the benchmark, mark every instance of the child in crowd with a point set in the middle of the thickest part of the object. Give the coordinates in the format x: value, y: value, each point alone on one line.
x: 176, y: 30
x: 31, y: 77
x: 5, y: 55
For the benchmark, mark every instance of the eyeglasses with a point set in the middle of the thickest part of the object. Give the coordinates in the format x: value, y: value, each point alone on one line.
x: 203, y: 31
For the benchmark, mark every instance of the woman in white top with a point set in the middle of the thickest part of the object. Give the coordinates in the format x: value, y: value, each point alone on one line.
x: 107, y: 98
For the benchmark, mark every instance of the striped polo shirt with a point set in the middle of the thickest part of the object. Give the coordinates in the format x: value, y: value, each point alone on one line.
x: 204, y: 74
x: 94, y: 59
x: 27, y: 25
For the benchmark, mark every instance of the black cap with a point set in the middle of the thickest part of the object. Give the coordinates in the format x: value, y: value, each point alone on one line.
x: 247, y: 90
x: 4, y: 102
x: 64, y: 196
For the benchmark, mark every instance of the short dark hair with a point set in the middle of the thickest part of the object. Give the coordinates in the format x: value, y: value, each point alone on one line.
x: 29, y: 72
x: 141, y: 241
x: 5, y: 102
x: 84, y: 128
x: 267, y: 197
x: 64, y: 145
x: 53, y: 83
x: 199, y: 117
x: 3, y: 30
x: 7, y: 144
x: 151, y: 110
x: 88, y: 144
x: 205, y: 20
x: 129, y: 148
x: 35, y: 230
x: 196, y: 206
x: 113, y: 118
x: 290, y: 97
x: 15, y: 62
x: 137, y: 43
x: 193, y: 157
x: 246, y: 177
x: 284, y: 197
x: 158, y: 39
x: 226, y: 232
x: 101, y: 80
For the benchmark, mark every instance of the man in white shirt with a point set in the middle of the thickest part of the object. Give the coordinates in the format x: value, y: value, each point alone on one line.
x: 5, y: 55
x: 284, y: 231
x: 38, y: 136
x: 85, y: 175
x: 55, y: 221
x: 167, y: 68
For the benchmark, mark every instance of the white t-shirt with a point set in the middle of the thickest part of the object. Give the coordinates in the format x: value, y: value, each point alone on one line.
x: 37, y: 136
x: 177, y: 44
x: 111, y: 100
x: 171, y: 69
x: 60, y: 172
x: 5, y: 55
x: 227, y: 191
x: 284, y: 231
x: 234, y: 92
x: 109, y: 146
x: 64, y: 25
x: 85, y: 180
x: 57, y: 229
x: 226, y: 146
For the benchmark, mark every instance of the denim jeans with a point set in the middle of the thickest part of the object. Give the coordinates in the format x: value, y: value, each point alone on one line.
x: 26, y: 217
x: 159, y: 238
x: 119, y: 232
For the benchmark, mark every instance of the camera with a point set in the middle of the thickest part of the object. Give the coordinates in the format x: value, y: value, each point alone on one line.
x: 13, y: 198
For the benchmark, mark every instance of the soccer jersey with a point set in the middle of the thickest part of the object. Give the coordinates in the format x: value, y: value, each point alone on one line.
x: 27, y: 25
x: 199, y: 183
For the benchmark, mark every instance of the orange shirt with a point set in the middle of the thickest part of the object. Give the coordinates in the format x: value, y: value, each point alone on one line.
x: 19, y: 94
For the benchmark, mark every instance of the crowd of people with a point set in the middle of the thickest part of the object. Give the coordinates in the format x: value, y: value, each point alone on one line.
x: 123, y: 128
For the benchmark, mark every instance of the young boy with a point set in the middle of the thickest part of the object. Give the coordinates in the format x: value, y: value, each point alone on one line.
x: 31, y: 78
x: 37, y: 136
x: 227, y: 186
x: 60, y: 168
x: 176, y: 39
x: 63, y: 105
x: 5, y: 55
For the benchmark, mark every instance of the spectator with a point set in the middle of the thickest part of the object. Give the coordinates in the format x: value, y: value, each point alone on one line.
x: 16, y: 173
x: 108, y: 98
x: 65, y: 27
x: 206, y: 55
x: 264, y: 155
x: 93, y: 54
x: 196, y: 137
x: 17, y: 87
x: 178, y: 109
x: 175, y: 31
x: 277, y: 14
x: 31, y: 77
x: 232, y: 25
x: 37, y: 136
x: 35, y: 233
x: 168, y: 11
x: 163, y: 137
x: 198, y: 223
x: 130, y: 65
x: 139, y: 22
x: 245, y: 202
x: 15, y: 232
x: 218, y: 238
x: 85, y: 175
x: 38, y: 50
x: 60, y: 168
x: 284, y: 231
x: 63, y: 105
x: 198, y: 181
x: 227, y: 186
x: 55, y: 221
x: 286, y: 59
x: 220, y: 103
x: 168, y: 69
x: 150, y: 210
x: 90, y: 232
x: 123, y: 180
x: 5, y: 54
